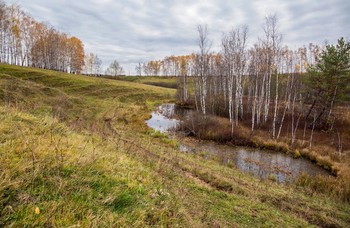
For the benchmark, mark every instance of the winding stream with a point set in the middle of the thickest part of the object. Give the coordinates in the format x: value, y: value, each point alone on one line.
x: 260, y: 163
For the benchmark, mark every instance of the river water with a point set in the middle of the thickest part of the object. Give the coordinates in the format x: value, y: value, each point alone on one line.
x: 261, y: 163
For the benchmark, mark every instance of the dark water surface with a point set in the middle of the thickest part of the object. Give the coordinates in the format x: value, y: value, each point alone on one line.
x: 261, y: 163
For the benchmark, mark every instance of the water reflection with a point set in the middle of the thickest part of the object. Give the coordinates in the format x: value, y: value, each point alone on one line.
x: 162, y: 120
x: 263, y: 164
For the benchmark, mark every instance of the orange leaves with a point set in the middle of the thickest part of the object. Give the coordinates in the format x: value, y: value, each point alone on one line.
x: 30, y: 43
x: 77, y: 54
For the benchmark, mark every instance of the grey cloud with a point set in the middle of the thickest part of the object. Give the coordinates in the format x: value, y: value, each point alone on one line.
x: 133, y: 31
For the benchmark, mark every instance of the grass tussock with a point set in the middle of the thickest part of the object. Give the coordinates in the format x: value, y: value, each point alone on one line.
x: 336, y: 187
x: 270, y: 144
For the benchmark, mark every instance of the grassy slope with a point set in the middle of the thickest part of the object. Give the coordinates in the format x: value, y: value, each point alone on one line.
x: 77, y: 148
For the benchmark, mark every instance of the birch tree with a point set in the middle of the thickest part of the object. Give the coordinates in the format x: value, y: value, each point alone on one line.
x: 202, y: 65
x: 234, y: 58
x: 138, y: 69
x: 97, y: 65
x: 274, y: 39
x: 115, y: 69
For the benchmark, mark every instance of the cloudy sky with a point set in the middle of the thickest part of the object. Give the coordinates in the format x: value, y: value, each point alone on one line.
x: 133, y: 31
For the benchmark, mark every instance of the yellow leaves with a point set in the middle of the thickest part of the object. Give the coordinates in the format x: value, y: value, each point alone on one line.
x: 301, y: 67
x: 305, y: 65
x: 15, y: 31
x: 77, y: 53
x: 37, y: 210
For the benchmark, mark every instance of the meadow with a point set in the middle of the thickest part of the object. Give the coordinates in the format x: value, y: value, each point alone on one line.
x: 75, y: 151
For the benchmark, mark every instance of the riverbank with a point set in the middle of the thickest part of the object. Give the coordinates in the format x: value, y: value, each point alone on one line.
x: 75, y: 152
x: 218, y: 129
x: 262, y: 163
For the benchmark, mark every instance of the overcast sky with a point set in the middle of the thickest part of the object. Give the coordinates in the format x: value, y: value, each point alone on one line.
x: 133, y: 31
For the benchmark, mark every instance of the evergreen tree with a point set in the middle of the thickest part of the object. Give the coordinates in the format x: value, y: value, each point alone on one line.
x: 328, y: 80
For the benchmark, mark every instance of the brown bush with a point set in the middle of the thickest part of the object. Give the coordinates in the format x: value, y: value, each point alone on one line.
x: 215, y: 128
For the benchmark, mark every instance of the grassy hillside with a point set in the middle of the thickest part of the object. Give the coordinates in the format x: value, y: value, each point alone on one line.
x: 75, y: 151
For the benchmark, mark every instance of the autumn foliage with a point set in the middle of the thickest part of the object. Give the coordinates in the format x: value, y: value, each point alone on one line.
x: 27, y: 42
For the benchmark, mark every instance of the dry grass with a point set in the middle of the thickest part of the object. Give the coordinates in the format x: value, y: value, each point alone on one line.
x: 323, y: 154
x: 77, y: 149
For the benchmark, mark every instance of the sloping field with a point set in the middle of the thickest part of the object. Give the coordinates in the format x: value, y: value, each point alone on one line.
x: 75, y: 151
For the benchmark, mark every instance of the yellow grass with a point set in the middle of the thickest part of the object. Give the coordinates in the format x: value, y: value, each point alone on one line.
x: 75, y: 152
